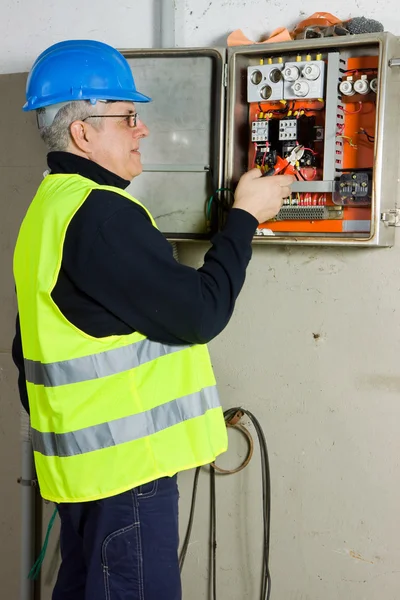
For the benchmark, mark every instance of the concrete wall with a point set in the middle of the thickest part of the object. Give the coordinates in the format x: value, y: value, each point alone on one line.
x: 312, y: 350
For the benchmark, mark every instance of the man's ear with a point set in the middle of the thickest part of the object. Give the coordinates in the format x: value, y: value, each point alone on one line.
x: 81, y: 136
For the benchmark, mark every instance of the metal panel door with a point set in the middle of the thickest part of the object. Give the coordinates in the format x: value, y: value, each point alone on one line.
x: 182, y: 157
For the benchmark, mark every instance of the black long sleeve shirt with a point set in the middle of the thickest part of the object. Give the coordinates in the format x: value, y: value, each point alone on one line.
x: 118, y: 273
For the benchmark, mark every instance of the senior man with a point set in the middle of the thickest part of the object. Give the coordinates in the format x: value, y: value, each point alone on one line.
x: 111, y: 333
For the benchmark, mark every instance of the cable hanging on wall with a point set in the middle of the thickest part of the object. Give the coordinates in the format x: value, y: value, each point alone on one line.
x: 232, y: 420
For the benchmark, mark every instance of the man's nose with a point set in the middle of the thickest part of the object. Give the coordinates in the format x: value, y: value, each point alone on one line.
x: 141, y: 129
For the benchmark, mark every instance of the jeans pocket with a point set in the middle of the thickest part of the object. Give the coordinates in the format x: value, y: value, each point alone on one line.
x: 123, y: 564
x: 148, y: 490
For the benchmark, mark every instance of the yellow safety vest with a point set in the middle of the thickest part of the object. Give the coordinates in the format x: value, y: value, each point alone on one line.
x: 107, y: 414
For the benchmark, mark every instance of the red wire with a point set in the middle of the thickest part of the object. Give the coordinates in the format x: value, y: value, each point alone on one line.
x: 312, y: 151
x: 366, y: 70
x: 264, y: 157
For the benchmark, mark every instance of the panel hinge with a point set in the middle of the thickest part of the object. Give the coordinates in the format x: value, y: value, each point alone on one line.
x: 394, y: 62
x: 391, y: 218
x: 225, y: 74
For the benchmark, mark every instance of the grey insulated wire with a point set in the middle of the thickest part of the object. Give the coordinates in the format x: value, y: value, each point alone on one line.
x: 265, y: 591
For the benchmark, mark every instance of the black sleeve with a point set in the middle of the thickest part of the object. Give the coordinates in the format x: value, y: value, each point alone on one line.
x: 18, y: 359
x: 128, y: 267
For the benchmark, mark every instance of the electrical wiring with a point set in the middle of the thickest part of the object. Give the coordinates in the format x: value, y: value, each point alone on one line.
x: 209, y: 202
x: 264, y: 157
x: 232, y: 417
x: 369, y: 137
x: 310, y: 150
x: 340, y: 128
x: 278, y: 111
x: 309, y: 110
x: 255, y: 155
x: 361, y: 70
x: 349, y: 140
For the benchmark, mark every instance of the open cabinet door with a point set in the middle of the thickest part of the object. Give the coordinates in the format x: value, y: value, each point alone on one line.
x: 182, y: 157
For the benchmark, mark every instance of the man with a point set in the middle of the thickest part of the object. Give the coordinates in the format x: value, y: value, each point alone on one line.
x: 111, y: 333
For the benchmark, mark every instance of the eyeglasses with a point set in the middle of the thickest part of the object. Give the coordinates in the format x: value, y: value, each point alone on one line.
x: 131, y: 119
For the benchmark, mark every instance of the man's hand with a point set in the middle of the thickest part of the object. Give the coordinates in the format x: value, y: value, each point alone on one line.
x: 262, y: 197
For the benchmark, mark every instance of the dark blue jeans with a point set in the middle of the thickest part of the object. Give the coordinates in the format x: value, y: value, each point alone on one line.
x: 121, y: 548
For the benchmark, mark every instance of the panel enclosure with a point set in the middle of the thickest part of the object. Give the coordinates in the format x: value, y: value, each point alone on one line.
x: 183, y: 155
x: 348, y: 175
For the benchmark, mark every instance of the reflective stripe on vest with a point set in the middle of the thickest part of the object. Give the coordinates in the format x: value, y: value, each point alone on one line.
x: 97, y: 365
x: 126, y: 429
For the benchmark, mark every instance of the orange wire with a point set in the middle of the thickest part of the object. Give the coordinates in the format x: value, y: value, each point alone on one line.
x: 351, y: 112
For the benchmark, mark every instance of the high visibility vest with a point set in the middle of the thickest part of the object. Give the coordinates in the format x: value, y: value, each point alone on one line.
x: 107, y: 414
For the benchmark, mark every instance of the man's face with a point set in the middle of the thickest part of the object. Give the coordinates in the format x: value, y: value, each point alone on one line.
x: 115, y: 144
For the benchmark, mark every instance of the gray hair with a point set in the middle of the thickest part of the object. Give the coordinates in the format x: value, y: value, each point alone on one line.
x: 56, y: 133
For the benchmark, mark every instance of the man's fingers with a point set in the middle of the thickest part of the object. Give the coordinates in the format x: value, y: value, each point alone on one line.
x: 285, y: 180
x: 286, y: 191
x: 254, y: 173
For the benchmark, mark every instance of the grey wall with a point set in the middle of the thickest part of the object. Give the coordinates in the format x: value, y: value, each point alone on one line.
x: 312, y: 350
x: 21, y: 166
x: 329, y: 407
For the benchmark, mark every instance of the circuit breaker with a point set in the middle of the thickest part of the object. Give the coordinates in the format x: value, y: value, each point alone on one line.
x: 325, y: 110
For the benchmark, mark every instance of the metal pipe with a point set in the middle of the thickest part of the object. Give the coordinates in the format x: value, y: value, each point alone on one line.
x: 28, y: 509
x: 167, y: 23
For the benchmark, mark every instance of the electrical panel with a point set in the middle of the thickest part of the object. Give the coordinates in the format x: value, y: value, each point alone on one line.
x: 335, y: 132
x: 328, y: 128
x: 325, y: 110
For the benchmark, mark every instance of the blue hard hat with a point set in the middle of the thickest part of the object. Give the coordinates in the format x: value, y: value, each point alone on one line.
x: 80, y: 70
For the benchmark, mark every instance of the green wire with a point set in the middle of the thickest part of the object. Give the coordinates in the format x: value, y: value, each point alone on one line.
x: 211, y: 199
x: 34, y: 572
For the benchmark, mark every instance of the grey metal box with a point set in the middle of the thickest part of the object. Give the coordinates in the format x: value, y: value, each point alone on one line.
x: 385, y: 185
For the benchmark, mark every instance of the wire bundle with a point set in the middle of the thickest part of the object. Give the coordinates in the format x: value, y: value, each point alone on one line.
x: 232, y: 418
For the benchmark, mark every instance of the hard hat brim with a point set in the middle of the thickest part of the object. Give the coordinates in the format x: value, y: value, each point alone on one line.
x: 34, y: 103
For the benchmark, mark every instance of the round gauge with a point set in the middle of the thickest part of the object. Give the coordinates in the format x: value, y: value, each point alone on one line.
x: 266, y: 92
x: 256, y: 77
x: 275, y: 75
